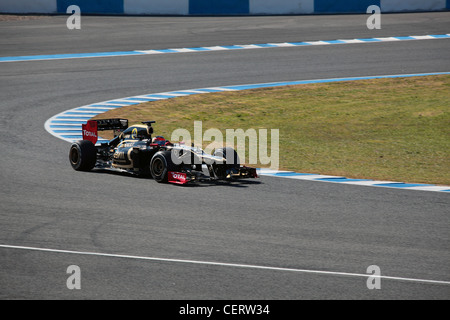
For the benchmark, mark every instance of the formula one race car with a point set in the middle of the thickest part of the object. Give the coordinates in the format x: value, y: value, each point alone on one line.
x: 133, y: 150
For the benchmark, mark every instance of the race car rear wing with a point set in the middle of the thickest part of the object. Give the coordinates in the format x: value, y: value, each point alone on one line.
x: 91, y: 128
x: 117, y: 125
x: 112, y: 124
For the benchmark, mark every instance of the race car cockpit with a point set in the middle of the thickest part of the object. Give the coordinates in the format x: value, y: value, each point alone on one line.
x: 142, y: 131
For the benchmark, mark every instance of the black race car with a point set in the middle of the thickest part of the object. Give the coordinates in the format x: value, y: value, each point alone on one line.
x: 133, y: 150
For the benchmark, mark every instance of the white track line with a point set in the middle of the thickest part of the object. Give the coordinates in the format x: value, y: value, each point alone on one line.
x: 221, y: 264
x: 216, y: 48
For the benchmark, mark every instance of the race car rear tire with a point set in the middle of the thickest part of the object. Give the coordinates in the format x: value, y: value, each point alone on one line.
x: 160, y: 165
x: 83, y: 155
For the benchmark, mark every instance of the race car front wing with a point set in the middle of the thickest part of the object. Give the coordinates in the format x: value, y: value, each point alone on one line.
x: 196, y: 176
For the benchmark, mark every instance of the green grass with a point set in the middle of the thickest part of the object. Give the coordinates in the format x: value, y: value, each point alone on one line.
x: 389, y: 129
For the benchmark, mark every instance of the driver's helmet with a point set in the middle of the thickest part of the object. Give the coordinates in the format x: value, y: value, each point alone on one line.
x: 159, y: 140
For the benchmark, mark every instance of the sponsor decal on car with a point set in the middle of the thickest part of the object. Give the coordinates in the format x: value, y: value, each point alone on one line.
x: 90, y: 131
x: 177, y: 177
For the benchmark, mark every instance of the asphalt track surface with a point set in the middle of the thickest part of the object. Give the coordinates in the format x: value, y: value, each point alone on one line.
x: 274, y: 222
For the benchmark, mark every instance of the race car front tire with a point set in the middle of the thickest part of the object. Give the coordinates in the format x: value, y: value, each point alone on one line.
x: 160, y: 165
x: 83, y: 155
x: 220, y: 170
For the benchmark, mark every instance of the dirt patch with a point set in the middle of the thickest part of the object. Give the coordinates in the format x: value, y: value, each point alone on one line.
x: 13, y: 17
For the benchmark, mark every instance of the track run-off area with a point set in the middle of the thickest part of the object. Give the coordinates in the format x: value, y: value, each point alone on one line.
x: 67, y: 126
x: 270, y: 239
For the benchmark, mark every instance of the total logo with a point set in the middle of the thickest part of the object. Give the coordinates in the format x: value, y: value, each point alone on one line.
x: 87, y: 133
x: 180, y: 176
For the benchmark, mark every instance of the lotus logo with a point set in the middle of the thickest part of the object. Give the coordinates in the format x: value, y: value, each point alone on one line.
x: 134, y: 133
